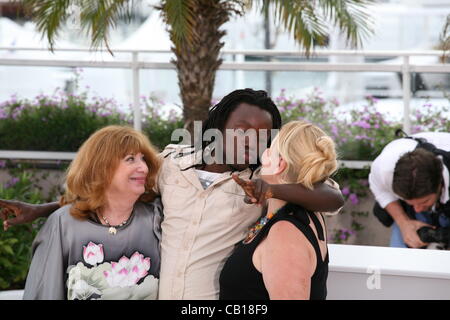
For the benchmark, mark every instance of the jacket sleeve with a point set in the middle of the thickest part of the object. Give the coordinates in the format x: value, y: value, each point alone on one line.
x: 45, y: 280
x: 380, y: 183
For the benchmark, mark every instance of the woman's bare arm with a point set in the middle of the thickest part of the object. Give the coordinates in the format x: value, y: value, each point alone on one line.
x: 287, y: 263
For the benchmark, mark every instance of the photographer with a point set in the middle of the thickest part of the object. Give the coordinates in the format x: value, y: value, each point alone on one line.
x: 410, y: 182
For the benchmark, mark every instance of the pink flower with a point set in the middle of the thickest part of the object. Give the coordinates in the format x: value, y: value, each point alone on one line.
x: 345, y: 191
x: 127, y: 272
x: 93, y: 253
x: 354, y: 198
x: 334, y: 130
x: 362, y: 124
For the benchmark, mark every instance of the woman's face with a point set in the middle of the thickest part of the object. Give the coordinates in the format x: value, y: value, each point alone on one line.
x: 130, y: 176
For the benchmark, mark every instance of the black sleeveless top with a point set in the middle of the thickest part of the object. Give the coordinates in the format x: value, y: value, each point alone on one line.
x: 240, y: 280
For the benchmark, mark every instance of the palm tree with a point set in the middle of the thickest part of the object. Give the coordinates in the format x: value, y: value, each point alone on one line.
x: 194, y: 27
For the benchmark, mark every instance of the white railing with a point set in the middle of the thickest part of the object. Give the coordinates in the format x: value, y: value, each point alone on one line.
x: 135, y: 64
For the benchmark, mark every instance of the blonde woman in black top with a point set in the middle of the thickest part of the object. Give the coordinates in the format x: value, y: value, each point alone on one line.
x: 285, y: 254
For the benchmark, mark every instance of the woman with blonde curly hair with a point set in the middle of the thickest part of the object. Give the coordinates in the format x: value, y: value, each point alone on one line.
x: 285, y: 254
x: 103, y: 243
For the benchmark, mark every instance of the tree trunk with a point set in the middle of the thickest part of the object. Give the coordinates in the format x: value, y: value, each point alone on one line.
x: 197, y: 63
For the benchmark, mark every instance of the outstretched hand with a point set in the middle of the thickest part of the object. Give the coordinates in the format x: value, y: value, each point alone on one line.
x: 410, y: 236
x: 16, y: 212
x: 257, y: 190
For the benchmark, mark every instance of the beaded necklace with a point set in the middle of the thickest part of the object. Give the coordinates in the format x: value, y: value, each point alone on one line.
x: 113, y: 229
x: 253, y: 231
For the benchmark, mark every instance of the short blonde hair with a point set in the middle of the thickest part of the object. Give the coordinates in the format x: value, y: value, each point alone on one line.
x: 93, y: 168
x: 308, y: 151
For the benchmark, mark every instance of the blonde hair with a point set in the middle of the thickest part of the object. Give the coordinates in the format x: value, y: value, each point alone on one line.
x: 93, y: 168
x: 308, y: 151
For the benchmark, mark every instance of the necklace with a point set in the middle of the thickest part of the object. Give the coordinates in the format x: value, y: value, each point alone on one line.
x: 253, y: 231
x: 113, y: 229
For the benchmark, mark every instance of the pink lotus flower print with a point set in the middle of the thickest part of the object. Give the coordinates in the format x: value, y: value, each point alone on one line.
x: 93, y: 253
x: 127, y: 272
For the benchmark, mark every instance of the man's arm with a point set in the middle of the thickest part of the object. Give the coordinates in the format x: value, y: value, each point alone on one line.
x: 380, y: 183
x: 23, y: 212
x: 323, y: 197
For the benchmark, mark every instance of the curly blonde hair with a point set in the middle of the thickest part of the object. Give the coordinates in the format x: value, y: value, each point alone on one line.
x: 309, y: 152
x: 94, y: 166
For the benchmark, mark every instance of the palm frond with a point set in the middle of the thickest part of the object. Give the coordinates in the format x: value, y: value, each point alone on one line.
x: 179, y: 16
x: 300, y: 17
x: 49, y: 16
x: 100, y: 16
x: 96, y: 17
x: 309, y: 20
x: 351, y: 17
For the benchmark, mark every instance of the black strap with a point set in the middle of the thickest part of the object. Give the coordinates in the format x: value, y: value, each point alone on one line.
x: 318, y: 226
x: 424, y: 144
x: 304, y: 216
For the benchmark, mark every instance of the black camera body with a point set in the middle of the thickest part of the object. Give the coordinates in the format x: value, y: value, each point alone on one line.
x: 438, y: 235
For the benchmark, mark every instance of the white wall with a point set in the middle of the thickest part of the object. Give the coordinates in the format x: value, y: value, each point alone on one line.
x: 366, y: 272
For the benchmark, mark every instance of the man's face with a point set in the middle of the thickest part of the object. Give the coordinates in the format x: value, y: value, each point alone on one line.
x: 424, y: 203
x: 246, y: 117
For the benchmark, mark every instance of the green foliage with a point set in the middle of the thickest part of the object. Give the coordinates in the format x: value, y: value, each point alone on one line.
x: 359, y: 134
x: 341, y: 235
x: 58, y: 123
x: 15, y: 244
x: 309, y: 22
x: 63, y: 122
x: 96, y: 18
x: 159, y: 125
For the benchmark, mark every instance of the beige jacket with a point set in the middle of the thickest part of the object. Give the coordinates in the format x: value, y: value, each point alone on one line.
x: 200, y: 227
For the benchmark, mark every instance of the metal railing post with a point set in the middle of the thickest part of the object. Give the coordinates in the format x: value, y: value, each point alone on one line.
x: 406, y: 82
x: 137, y: 115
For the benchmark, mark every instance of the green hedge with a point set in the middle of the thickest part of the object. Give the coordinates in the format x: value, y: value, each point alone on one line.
x: 63, y: 122
x: 15, y: 244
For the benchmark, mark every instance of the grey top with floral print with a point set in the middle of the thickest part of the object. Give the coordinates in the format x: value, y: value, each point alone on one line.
x: 75, y: 259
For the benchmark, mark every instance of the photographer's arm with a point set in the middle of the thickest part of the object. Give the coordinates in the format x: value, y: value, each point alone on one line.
x: 23, y: 212
x: 408, y: 226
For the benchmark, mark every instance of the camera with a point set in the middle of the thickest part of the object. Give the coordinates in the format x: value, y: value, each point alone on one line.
x: 438, y: 235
